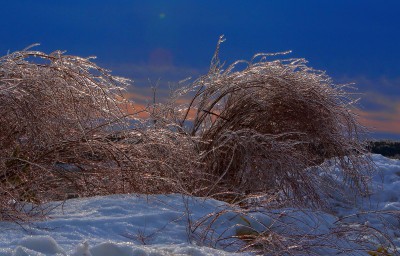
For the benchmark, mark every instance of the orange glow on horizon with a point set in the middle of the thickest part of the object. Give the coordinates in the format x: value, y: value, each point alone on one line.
x: 138, y: 107
x: 387, y: 120
x: 379, y: 121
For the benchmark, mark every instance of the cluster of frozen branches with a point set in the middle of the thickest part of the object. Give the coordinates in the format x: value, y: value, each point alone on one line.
x: 54, y: 109
x: 263, y: 127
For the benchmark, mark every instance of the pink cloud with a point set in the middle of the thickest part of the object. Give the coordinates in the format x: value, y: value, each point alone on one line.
x: 382, y: 119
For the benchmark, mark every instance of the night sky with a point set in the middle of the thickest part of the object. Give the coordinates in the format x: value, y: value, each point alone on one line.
x: 353, y: 40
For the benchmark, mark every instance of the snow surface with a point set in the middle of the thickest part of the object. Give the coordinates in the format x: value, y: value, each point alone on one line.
x: 170, y: 224
x: 113, y: 225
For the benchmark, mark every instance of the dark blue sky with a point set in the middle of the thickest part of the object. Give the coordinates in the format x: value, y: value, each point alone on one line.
x: 353, y: 40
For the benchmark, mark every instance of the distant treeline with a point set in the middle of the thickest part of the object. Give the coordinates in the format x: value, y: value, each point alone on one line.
x: 386, y: 148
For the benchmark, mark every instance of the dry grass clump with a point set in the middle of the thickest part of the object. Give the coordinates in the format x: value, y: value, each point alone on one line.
x: 65, y: 133
x: 54, y: 111
x: 264, y: 125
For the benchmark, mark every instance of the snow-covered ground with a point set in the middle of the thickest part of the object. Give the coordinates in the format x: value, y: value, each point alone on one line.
x: 177, y: 225
x: 114, y: 225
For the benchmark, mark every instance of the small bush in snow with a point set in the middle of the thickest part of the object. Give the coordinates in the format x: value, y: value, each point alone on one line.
x: 263, y: 124
x: 55, y: 111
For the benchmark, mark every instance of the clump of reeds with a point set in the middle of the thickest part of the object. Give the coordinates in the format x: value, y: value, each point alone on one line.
x: 66, y: 132
x: 55, y: 110
x: 262, y: 127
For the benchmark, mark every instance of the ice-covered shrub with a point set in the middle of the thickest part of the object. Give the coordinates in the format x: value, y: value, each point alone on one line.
x: 55, y: 110
x: 67, y: 131
x: 264, y: 123
x: 258, y: 126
